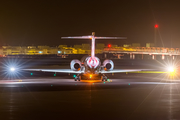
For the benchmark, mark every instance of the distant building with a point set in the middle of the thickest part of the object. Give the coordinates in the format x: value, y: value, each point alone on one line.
x: 78, y: 46
x: 86, y: 46
x: 61, y: 46
x: 150, y: 45
x: 100, y: 46
x: 126, y: 45
x: 136, y: 45
x: 31, y: 47
x: 63, y: 49
x: 43, y: 47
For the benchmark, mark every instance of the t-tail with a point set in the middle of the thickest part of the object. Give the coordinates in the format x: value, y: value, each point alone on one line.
x: 93, y: 38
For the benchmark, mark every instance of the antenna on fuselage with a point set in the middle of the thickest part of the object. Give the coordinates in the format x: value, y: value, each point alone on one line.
x: 93, y: 33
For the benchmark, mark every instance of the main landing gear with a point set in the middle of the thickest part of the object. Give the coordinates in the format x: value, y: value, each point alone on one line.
x: 77, y: 78
x: 104, y: 78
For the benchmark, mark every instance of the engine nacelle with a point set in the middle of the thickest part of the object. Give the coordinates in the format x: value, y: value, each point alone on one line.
x: 108, y: 65
x: 75, y: 65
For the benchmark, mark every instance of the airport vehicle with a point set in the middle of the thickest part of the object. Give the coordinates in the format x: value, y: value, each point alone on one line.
x: 90, y: 67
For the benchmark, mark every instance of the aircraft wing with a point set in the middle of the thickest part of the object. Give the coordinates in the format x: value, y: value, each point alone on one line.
x: 123, y: 70
x: 54, y: 70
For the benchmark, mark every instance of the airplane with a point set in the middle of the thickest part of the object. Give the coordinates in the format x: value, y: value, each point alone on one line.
x: 91, y: 67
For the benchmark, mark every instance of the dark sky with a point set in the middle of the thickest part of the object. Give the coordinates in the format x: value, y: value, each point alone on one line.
x: 44, y: 22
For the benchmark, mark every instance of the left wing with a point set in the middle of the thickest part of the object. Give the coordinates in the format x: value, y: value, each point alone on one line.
x: 54, y: 70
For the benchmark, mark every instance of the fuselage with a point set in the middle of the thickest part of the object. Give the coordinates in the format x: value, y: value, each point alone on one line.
x: 92, y: 65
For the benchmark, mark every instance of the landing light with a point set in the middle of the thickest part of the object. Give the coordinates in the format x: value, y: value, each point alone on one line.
x: 12, y: 69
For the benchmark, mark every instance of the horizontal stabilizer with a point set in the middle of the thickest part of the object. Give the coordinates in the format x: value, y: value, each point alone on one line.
x: 90, y: 37
x: 110, y: 37
x: 77, y: 37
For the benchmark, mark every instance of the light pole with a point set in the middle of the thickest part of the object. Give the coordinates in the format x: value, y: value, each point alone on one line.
x: 155, y: 31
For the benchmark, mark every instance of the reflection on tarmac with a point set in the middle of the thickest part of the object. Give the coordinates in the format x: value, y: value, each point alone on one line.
x: 71, y: 81
x: 56, y: 98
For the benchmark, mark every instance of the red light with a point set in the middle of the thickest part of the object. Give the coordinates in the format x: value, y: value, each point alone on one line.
x: 109, y: 45
x: 156, y: 26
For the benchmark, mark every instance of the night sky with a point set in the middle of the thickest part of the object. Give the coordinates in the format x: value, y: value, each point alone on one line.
x: 44, y: 22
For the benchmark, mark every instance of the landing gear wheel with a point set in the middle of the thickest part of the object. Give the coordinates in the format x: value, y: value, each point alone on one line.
x: 104, y: 78
x: 77, y: 78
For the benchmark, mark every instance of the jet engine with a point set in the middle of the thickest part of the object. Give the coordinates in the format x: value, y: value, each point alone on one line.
x: 108, y: 65
x: 75, y: 65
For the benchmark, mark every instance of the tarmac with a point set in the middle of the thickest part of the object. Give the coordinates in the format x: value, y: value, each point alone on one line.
x: 124, y: 96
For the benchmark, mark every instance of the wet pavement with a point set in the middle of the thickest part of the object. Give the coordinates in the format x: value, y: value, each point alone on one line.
x: 123, y: 97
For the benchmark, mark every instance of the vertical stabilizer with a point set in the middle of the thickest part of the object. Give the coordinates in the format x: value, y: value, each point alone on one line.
x: 93, y: 45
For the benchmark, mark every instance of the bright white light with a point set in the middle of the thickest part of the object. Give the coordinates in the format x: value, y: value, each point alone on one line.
x: 12, y: 69
x: 40, y: 52
x: 171, y: 69
x: 59, y: 51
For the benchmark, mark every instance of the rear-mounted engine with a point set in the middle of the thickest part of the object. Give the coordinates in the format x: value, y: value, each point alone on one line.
x: 108, y: 65
x: 75, y: 65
